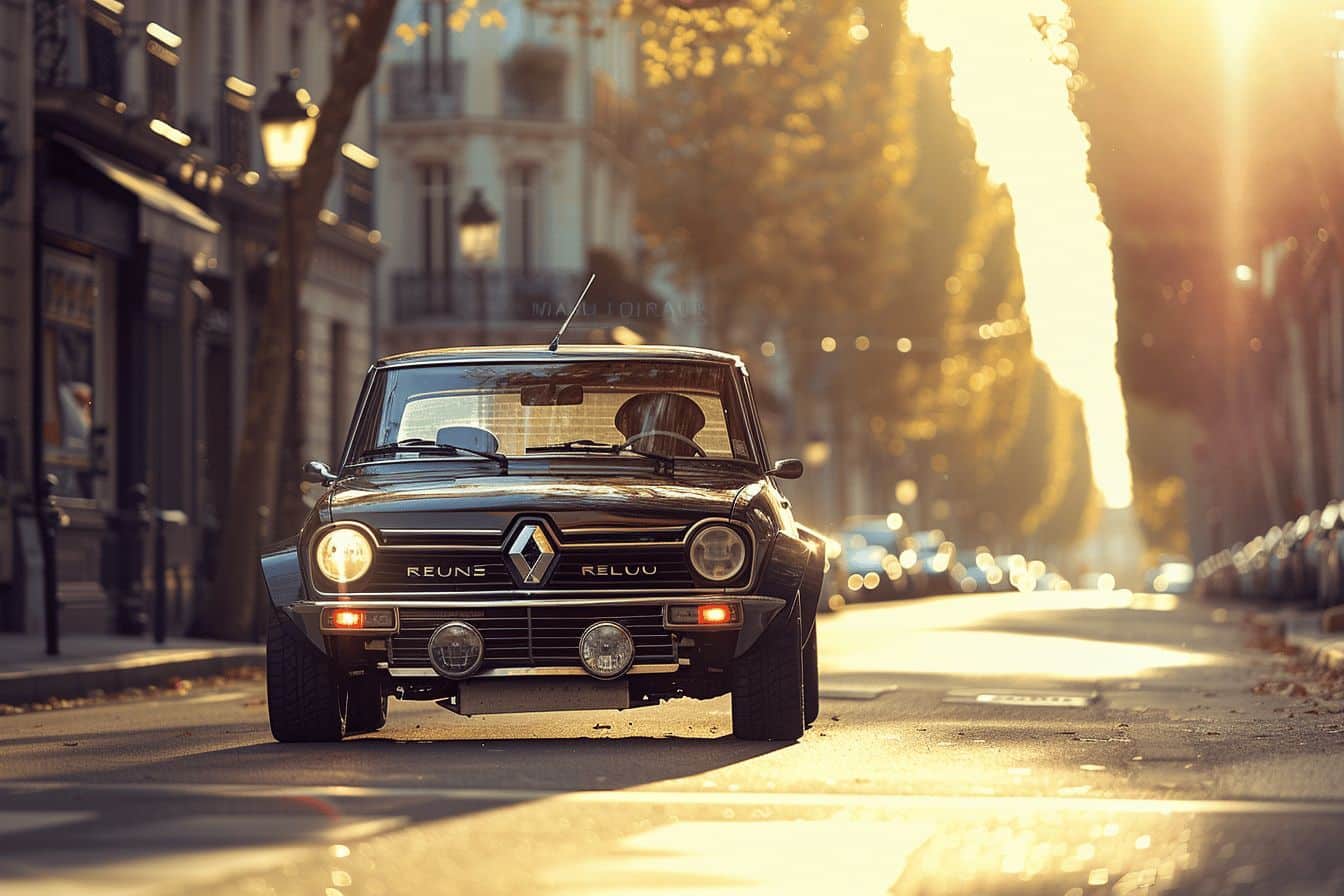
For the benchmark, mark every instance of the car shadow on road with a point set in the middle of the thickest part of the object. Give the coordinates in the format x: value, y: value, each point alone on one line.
x: 269, y: 795
x: 401, y: 757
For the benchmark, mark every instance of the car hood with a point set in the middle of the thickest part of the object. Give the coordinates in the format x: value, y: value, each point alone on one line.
x: 421, y: 501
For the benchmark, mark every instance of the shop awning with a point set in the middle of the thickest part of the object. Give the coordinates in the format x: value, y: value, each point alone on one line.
x: 166, y: 219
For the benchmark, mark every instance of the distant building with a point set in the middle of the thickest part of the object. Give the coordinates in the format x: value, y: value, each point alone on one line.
x: 538, y: 117
x: 157, y: 222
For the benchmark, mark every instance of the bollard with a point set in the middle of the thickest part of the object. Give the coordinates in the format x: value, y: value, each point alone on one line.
x: 49, y: 517
x: 132, y: 522
x: 163, y: 519
x: 160, y: 582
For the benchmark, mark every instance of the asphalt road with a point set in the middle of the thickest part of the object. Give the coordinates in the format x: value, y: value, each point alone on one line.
x: 1065, y: 743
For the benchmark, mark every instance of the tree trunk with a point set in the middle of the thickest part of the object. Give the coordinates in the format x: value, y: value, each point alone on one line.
x: 230, y: 609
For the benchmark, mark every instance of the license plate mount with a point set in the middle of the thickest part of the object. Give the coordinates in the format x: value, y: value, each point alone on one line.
x: 488, y: 696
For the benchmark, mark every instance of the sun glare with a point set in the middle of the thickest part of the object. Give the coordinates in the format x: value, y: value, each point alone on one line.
x: 1236, y: 21
x: 1015, y: 97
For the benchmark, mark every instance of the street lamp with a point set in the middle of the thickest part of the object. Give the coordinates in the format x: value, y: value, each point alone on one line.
x: 9, y: 166
x: 478, y: 237
x: 287, y: 129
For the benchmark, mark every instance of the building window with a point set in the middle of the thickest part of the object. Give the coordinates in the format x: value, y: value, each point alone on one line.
x: 523, y: 222
x: 256, y: 43
x: 102, y: 31
x: 438, y: 220
x: 358, y: 183
x: 69, y: 321
x: 436, y: 48
x: 161, y: 72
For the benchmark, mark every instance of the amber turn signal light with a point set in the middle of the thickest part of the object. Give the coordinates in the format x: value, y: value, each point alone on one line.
x: 715, y: 614
x: 358, y: 620
x: 703, y: 614
x: 347, y: 618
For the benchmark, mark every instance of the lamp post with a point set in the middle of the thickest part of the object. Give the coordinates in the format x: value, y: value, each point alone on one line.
x: 287, y: 129
x: 478, y: 237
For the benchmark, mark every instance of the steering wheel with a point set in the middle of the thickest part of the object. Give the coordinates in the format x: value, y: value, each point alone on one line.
x: 649, y: 433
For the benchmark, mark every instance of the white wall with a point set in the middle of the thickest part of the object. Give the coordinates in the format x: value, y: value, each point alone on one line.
x: 481, y: 146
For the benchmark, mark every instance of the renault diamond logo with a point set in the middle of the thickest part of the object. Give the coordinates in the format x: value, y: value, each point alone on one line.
x: 531, y: 554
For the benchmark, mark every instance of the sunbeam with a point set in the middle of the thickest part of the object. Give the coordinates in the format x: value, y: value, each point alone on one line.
x: 1010, y: 85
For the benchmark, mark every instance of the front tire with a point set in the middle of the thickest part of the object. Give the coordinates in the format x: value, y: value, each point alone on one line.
x: 768, y: 683
x: 304, y: 696
x: 366, y: 706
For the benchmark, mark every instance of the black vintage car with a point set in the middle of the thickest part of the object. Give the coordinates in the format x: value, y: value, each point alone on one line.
x: 520, y: 529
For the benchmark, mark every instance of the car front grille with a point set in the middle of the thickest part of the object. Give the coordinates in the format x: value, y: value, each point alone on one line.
x: 429, y: 569
x: 521, y: 637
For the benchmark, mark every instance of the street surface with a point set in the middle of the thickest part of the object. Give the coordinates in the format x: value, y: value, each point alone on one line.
x: 1066, y: 743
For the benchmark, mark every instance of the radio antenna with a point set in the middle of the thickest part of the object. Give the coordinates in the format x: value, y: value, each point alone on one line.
x: 555, y: 343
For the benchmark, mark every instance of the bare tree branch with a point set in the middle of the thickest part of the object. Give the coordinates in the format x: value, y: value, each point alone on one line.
x: 230, y: 610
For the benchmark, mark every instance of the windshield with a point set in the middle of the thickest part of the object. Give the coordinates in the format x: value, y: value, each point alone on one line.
x: 686, y: 411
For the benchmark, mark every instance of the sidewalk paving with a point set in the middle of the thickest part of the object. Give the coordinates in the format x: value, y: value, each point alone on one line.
x: 110, y: 663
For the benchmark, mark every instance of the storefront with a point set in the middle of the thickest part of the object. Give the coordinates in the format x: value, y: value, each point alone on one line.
x: 120, y: 344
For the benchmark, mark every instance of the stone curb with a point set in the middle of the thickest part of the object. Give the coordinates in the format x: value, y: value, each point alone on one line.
x: 1323, y: 650
x: 79, y: 679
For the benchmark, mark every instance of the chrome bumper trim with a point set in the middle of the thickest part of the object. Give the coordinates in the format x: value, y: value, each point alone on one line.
x: 408, y: 602
x: 520, y: 671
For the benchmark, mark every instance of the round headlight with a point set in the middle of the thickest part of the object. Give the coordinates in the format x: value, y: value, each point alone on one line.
x: 343, y: 554
x: 606, y: 650
x: 456, y: 649
x: 718, y: 553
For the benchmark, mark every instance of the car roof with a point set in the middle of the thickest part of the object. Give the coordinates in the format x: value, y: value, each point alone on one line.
x: 539, y: 354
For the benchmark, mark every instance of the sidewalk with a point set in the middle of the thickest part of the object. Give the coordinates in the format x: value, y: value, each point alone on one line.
x: 110, y: 663
x: 1301, y: 629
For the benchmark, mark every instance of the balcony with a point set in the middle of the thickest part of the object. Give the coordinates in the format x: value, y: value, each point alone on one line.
x: 417, y: 295
x: 423, y: 92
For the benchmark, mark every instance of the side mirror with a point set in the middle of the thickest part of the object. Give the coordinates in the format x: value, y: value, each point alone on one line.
x: 789, y: 468
x: 318, y: 473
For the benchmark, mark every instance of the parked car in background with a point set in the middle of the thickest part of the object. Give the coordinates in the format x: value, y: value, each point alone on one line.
x: 976, y: 572
x: 1170, y: 576
x: 1298, y: 562
x: 869, y: 566
x: 927, y: 558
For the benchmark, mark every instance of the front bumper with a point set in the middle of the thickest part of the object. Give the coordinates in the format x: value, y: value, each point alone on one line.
x: 415, y: 616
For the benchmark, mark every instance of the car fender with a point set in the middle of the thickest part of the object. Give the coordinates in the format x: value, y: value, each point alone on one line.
x: 783, y: 555
x: 813, y: 574
x: 281, y: 572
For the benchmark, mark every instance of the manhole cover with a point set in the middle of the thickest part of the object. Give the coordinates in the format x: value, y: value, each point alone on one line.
x: 1073, y: 700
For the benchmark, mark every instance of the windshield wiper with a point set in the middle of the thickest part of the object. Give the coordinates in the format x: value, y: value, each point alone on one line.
x: 427, y: 446
x: 662, y: 463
